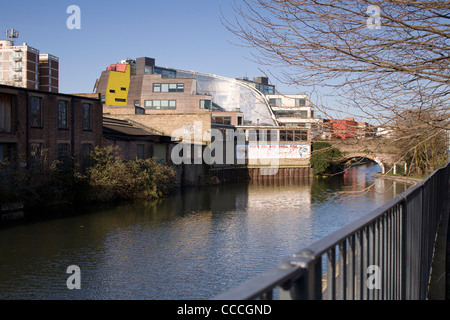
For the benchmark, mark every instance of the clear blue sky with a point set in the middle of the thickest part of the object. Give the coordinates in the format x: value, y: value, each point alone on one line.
x: 177, y: 33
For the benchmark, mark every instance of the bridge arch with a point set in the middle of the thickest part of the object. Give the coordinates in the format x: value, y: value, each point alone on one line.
x: 371, y: 157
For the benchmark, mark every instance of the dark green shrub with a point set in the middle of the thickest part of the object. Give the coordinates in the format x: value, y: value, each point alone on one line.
x: 323, y: 157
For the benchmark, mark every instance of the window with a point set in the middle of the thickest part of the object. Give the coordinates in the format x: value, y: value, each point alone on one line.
x: 275, y: 102
x: 136, y: 103
x: 6, y: 113
x: 160, y: 104
x: 140, y: 151
x: 36, y: 112
x: 168, y: 87
x: 2, y: 152
x: 300, y: 102
x: 293, y: 135
x: 35, y: 156
x: 120, y: 100
x: 86, y: 149
x: 239, y: 121
x: 205, y: 104
x: 103, y: 99
x: 86, y: 116
x: 221, y: 120
x: 262, y: 135
x: 123, y: 89
x: 112, y: 91
x: 63, y: 151
x: 62, y: 115
x: 303, y: 114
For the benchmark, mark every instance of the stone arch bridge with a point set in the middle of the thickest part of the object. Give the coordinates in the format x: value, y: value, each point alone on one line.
x: 379, y: 150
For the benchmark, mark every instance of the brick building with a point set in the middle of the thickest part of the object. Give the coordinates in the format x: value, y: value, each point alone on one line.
x: 348, y: 128
x: 134, y: 142
x: 38, y: 127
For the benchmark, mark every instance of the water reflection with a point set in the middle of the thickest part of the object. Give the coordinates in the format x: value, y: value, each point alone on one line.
x: 193, y: 245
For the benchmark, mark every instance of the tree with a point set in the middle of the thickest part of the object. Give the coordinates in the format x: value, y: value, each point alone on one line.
x: 380, y: 58
x: 323, y: 157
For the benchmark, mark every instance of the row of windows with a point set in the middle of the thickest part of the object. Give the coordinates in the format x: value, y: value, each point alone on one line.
x: 36, y: 114
x: 277, y: 102
x: 271, y: 135
x: 37, y: 153
x: 168, y: 87
x: 160, y: 104
x: 303, y: 114
x: 263, y: 135
x: 169, y: 104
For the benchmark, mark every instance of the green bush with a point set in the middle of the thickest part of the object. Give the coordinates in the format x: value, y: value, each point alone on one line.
x: 107, y: 179
x: 110, y: 178
x: 323, y: 157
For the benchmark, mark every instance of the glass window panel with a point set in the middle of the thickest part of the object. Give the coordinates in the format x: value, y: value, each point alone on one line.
x: 36, y: 112
x: 148, y: 103
x: 86, y: 116
x: 156, y: 103
x: 172, y: 104
x: 300, y: 102
x: 156, y: 87
x: 172, y: 87
x: 164, y: 87
x: 62, y: 114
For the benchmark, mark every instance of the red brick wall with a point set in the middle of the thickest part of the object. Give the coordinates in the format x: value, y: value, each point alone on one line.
x: 49, y: 133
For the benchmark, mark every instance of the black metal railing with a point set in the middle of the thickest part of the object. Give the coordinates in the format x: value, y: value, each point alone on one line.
x: 386, y: 255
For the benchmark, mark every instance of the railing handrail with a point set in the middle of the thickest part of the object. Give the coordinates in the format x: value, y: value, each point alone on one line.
x: 294, y: 266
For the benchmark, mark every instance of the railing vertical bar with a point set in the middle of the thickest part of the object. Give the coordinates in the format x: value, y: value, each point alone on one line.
x: 366, y: 254
x: 351, y: 268
x: 377, y: 254
x: 383, y: 263
x: 369, y: 256
x: 396, y: 250
x: 405, y: 250
x: 331, y: 274
x: 388, y: 257
x: 342, y: 270
x: 358, y: 265
x: 392, y: 253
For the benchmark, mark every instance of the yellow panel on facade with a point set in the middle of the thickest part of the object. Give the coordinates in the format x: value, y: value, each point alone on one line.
x: 118, y: 86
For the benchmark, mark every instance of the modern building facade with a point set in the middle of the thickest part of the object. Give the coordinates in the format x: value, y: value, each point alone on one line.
x: 24, y: 66
x: 295, y: 111
x: 158, y: 90
x: 38, y: 127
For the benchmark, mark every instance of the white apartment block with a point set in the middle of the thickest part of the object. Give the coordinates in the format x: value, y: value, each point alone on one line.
x: 294, y: 110
x: 22, y: 66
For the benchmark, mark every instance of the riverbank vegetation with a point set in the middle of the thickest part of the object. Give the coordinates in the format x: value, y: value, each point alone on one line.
x: 323, y: 157
x: 106, y: 179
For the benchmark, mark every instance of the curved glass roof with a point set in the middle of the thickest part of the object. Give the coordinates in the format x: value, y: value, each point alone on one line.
x: 234, y: 95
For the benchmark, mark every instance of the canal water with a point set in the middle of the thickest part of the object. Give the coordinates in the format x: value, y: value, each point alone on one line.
x: 193, y: 245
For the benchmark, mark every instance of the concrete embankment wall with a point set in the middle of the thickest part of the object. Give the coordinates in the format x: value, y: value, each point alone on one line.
x: 203, y: 175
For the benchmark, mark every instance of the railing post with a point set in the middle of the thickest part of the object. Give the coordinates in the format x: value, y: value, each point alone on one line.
x: 309, y: 285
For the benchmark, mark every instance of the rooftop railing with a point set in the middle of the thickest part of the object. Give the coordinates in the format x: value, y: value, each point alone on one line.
x: 384, y: 255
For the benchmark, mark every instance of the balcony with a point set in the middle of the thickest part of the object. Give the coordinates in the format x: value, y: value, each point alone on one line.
x: 17, y: 68
x: 17, y: 77
x: 17, y: 59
